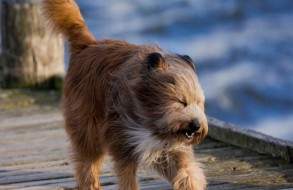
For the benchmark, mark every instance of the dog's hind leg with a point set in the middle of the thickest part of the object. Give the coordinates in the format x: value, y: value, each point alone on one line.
x: 87, y: 152
x: 87, y: 171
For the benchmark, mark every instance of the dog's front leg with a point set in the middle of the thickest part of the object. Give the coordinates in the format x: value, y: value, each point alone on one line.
x: 180, y: 168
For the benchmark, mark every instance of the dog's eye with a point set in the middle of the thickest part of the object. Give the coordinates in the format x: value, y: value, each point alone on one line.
x: 184, y: 103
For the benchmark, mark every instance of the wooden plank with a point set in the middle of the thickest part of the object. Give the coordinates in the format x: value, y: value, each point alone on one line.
x: 31, y: 136
x: 39, y: 158
x: 34, y: 145
x: 46, y: 183
x: 33, y: 177
x: 16, y: 122
x: 34, y: 165
x: 252, y: 140
x: 13, y: 174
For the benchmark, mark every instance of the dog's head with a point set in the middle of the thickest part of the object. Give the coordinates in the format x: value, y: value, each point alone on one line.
x: 170, y: 99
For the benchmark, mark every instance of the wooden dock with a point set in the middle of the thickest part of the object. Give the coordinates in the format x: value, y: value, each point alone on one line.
x: 34, y: 156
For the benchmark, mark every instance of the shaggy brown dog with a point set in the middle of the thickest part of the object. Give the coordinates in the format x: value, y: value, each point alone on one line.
x: 139, y: 103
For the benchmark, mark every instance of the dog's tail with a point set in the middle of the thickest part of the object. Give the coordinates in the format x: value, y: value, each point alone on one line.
x: 65, y: 17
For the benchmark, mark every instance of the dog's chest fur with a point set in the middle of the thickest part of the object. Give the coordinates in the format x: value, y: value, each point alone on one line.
x: 148, y: 147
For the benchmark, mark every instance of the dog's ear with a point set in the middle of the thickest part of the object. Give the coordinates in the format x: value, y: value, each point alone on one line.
x: 156, y: 62
x: 187, y: 60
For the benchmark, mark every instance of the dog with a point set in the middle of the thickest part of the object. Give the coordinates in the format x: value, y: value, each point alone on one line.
x: 137, y: 103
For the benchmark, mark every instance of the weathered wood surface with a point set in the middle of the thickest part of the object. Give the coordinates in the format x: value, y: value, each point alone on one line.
x: 34, y: 156
x: 31, y: 55
x: 250, y: 139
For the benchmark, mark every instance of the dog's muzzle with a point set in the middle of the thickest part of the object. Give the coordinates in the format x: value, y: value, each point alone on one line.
x: 192, y: 128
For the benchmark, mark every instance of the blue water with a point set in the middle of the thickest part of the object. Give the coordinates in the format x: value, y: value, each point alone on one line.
x: 243, y: 51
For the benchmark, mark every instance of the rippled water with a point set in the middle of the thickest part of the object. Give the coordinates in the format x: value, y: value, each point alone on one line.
x: 243, y: 51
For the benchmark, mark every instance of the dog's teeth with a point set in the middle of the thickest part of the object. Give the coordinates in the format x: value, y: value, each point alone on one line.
x: 188, y: 136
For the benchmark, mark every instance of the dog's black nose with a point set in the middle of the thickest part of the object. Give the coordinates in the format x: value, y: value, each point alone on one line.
x: 194, y: 125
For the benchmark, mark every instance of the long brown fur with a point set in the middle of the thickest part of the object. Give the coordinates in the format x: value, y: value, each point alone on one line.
x: 136, y: 102
x: 65, y: 17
